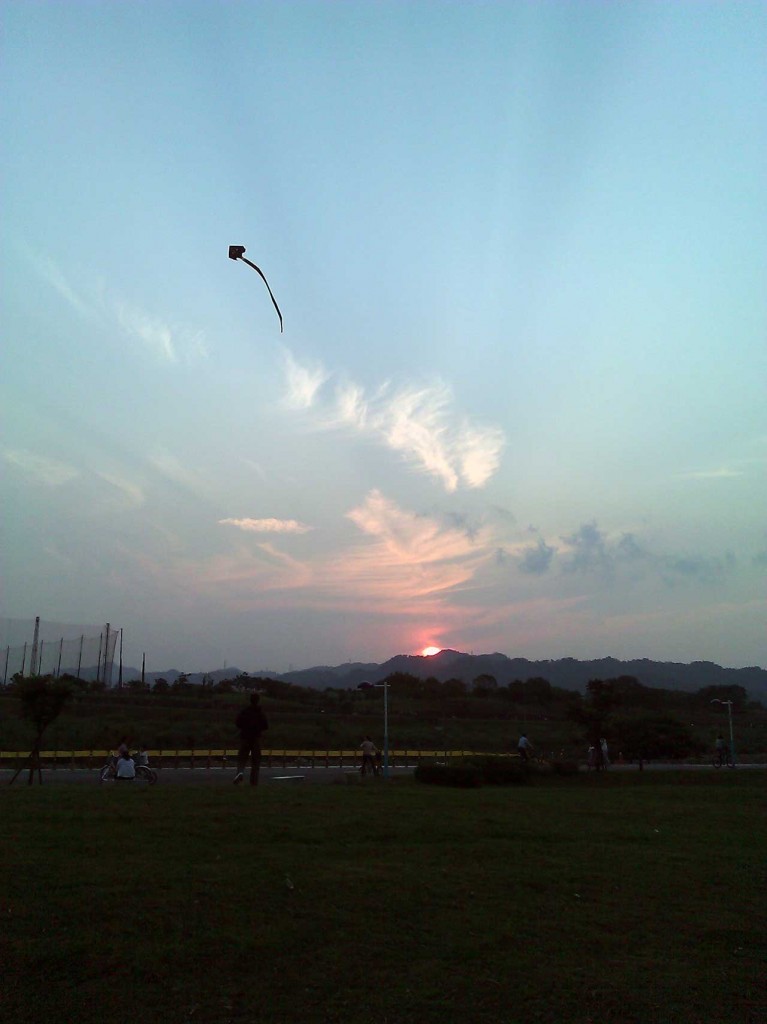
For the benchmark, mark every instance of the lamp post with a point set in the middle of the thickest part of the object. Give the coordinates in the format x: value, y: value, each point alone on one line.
x: 716, y: 700
x: 386, y: 726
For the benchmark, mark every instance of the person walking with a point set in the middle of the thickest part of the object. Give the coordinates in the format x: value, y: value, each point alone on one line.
x: 369, y: 751
x: 524, y: 747
x: 251, y: 721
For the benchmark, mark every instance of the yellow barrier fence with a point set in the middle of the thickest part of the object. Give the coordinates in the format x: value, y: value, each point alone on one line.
x: 226, y: 758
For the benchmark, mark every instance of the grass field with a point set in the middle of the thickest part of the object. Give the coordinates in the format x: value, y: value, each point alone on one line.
x: 624, y: 898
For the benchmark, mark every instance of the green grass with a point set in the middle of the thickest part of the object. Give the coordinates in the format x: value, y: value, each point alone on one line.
x: 623, y: 898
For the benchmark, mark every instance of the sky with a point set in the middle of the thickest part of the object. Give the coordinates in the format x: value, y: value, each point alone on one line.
x: 519, y: 400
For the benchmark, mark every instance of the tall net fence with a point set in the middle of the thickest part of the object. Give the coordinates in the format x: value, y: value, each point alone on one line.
x: 86, y: 652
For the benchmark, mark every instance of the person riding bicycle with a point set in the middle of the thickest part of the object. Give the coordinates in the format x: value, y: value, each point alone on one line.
x: 122, y: 748
x: 720, y: 746
x: 524, y: 747
x: 369, y: 751
x: 126, y: 767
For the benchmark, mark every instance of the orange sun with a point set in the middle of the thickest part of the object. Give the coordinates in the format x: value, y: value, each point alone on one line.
x: 428, y: 651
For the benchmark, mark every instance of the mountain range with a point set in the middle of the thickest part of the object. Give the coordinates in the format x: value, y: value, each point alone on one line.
x: 567, y: 673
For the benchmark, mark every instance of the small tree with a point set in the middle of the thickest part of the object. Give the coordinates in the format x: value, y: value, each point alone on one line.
x: 593, y: 714
x: 651, y: 736
x: 42, y: 701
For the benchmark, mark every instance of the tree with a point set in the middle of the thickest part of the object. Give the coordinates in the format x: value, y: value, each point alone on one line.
x: 42, y: 701
x: 403, y: 684
x: 651, y: 736
x: 485, y: 684
x: 737, y: 694
x: 594, y: 713
x: 454, y: 688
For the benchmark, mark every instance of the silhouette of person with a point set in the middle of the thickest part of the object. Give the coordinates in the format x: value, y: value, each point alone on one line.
x: 251, y: 721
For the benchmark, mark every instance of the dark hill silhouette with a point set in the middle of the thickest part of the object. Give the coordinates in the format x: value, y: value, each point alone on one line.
x: 567, y: 673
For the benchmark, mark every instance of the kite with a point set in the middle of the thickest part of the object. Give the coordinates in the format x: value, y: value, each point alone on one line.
x: 236, y: 253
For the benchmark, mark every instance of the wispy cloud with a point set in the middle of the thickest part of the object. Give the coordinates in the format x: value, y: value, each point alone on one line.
x: 170, y: 467
x: 166, y: 340
x: 723, y: 473
x: 396, y: 562
x: 417, y: 422
x: 303, y: 383
x: 130, y: 491
x: 57, y: 280
x: 267, y: 525
x: 40, y: 468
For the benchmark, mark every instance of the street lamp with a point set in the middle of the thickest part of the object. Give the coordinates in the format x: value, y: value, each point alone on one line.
x: 386, y: 726
x: 716, y: 700
x: 236, y: 253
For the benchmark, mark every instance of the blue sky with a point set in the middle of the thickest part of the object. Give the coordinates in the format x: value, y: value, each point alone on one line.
x: 519, y: 403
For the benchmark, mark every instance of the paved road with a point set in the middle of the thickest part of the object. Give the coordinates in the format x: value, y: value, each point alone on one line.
x: 296, y: 776
x: 212, y: 776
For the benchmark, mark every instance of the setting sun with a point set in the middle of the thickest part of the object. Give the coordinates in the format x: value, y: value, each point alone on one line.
x: 428, y: 651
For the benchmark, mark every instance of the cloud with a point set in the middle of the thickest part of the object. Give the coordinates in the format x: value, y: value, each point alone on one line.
x: 267, y: 525
x: 131, y: 492
x: 173, y: 469
x: 417, y: 422
x: 42, y: 470
x: 695, y: 567
x: 588, y: 550
x: 166, y: 341
x: 396, y: 563
x: 537, y: 560
x: 723, y: 473
x: 303, y: 383
x: 59, y: 283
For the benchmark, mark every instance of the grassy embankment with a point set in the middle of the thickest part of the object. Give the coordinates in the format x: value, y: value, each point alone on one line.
x: 175, y: 722
x: 611, y: 899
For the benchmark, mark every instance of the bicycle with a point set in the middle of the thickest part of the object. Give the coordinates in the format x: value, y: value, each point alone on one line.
x: 722, y: 757
x: 143, y: 773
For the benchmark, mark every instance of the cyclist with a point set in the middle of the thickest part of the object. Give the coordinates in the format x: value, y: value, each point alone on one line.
x: 720, y: 746
x: 369, y: 751
x: 126, y: 767
x: 122, y: 748
x: 524, y: 747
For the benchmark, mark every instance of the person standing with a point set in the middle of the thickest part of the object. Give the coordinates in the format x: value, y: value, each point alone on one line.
x: 251, y: 721
x: 524, y: 747
x: 605, y: 753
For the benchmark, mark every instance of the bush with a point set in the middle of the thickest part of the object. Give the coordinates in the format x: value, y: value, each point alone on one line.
x: 465, y: 776
x: 500, y: 771
x: 566, y: 768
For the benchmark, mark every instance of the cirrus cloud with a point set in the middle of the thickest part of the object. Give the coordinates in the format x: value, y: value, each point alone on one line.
x: 416, y: 421
x: 267, y: 525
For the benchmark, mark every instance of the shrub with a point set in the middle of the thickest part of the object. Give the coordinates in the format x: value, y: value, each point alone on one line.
x: 567, y: 768
x: 465, y: 776
x: 500, y: 771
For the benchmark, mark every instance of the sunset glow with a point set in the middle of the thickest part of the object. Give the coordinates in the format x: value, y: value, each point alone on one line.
x: 428, y: 651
